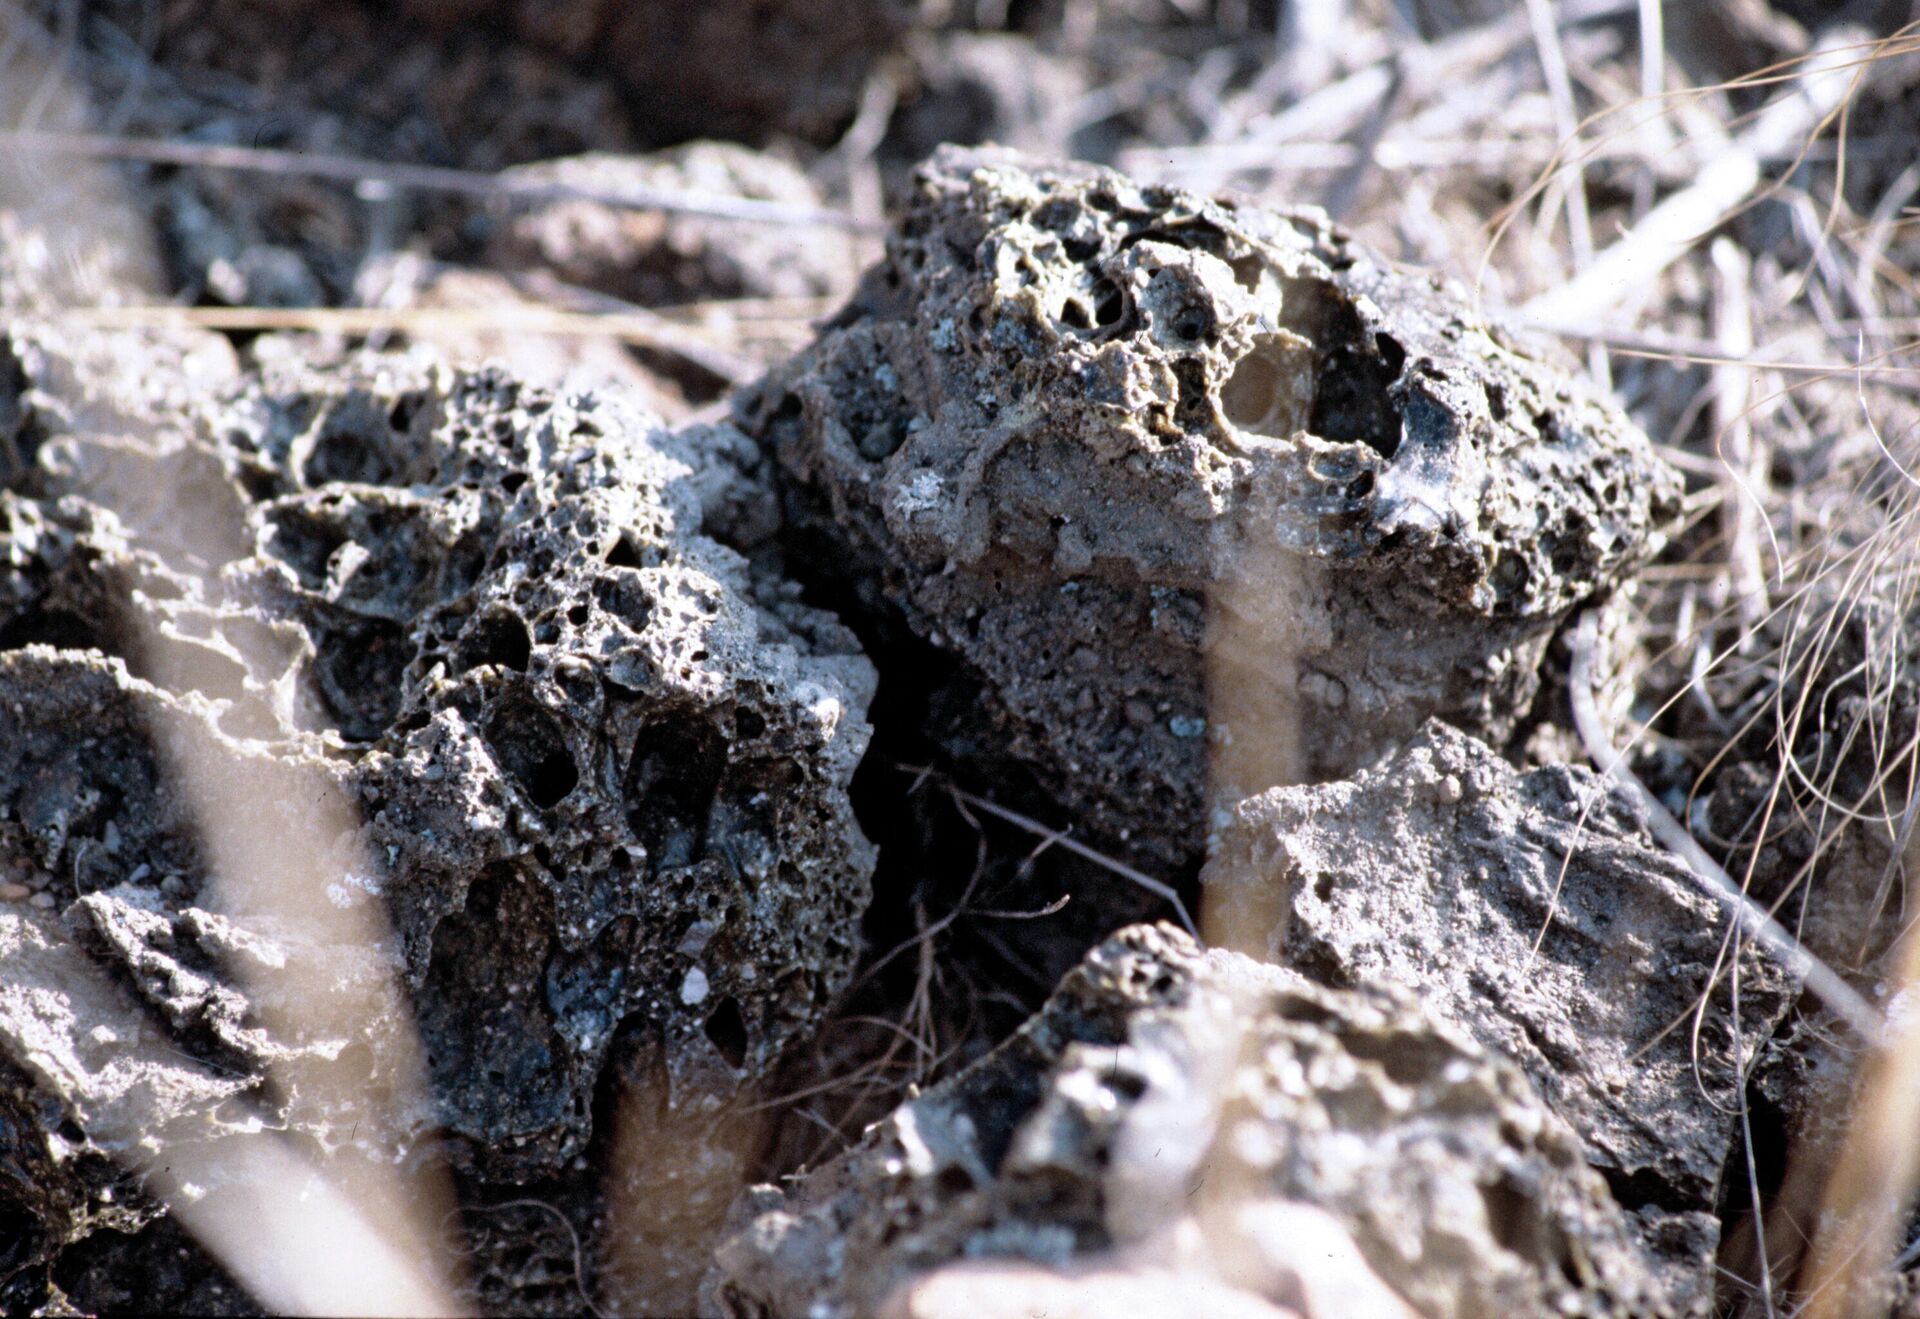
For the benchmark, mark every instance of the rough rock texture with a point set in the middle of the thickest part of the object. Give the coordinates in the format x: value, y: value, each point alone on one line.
x: 655, y: 259
x: 595, y: 766
x: 1164, y: 473
x: 1440, y: 869
x: 1163, y: 1083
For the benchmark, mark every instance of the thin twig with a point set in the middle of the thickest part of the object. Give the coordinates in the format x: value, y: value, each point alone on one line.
x: 426, y: 178
x: 1566, y: 122
x: 573, y: 1235
x: 1749, y: 916
x: 1159, y: 888
x: 639, y: 327
x: 1670, y: 229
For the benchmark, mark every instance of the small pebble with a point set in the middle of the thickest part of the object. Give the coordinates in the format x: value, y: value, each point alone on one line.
x: 42, y: 900
x: 694, y: 989
x: 12, y: 892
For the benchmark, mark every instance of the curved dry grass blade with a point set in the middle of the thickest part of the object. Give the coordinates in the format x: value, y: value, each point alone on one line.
x: 1749, y: 917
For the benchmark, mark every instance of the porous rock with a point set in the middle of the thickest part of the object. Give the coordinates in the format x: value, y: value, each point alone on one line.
x: 1162, y: 1084
x: 594, y: 765
x: 1536, y: 911
x: 1164, y: 474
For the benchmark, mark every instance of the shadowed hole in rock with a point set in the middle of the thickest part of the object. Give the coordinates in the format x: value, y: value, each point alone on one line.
x: 622, y: 554
x: 405, y: 408
x: 305, y: 540
x: 1301, y: 1010
x: 1510, y: 574
x: 353, y: 444
x: 56, y: 628
x: 726, y: 1030
x: 20, y: 1237
x: 359, y: 670
x: 530, y: 746
x: 672, y: 776
x: 21, y: 435
x: 497, y: 638
x: 1247, y: 271
x: 1354, y: 371
x: 465, y: 562
x: 1513, y: 1219
x: 1271, y: 389
x: 1353, y: 401
x: 625, y: 598
x: 1192, y: 407
x: 1192, y: 324
x: 476, y: 1018
x: 1407, y: 1059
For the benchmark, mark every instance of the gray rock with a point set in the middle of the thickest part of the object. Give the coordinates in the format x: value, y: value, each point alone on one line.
x: 1161, y: 1083
x: 1537, y: 912
x: 1166, y: 474
x: 591, y: 765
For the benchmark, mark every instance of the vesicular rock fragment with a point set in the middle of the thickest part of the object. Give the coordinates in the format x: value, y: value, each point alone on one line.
x: 1537, y: 912
x: 582, y: 757
x: 1168, y: 475
x: 1163, y: 1085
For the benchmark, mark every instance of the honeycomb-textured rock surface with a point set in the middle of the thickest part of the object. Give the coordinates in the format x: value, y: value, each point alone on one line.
x: 1166, y: 474
x: 1162, y: 1082
x: 1536, y: 911
x: 656, y: 259
x: 592, y: 766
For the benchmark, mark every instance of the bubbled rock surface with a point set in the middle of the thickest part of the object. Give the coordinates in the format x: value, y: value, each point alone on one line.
x: 596, y: 768
x: 1164, y: 1084
x: 1167, y: 474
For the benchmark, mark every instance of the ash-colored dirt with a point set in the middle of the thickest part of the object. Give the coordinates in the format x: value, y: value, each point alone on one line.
x: 1169, y: 476
x: 1162, y: 1084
